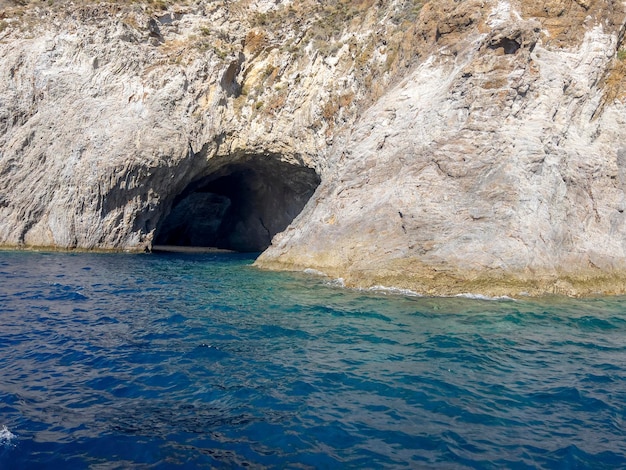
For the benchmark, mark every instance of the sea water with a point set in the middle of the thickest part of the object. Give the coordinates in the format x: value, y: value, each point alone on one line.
x: 203, y: 361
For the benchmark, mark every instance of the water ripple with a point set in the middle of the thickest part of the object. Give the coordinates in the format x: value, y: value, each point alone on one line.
x: 128, y: 361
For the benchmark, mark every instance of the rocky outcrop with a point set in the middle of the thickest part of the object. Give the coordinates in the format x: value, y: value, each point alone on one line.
x: 496, y: 167
x: 471, y: 146
x: 110, y: 113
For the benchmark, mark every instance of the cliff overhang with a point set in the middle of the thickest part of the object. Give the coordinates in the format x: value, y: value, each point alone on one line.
x: 239, y: 206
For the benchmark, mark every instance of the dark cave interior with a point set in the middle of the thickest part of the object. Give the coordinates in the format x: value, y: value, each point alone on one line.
x: 239, y: 207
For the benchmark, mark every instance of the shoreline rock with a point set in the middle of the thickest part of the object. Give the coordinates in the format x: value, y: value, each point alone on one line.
x: 458, y: 146
x: 494, y: 169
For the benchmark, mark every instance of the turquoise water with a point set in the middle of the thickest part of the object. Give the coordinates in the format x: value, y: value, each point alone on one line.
x: 192, y: 361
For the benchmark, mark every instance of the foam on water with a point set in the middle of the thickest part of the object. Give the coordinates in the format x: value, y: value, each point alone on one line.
x: 337, y: 282
x: 6, y: 437
x: 315, y: 272
x: 393, y: 290
x: 379, y: 289
x: 469, y: 295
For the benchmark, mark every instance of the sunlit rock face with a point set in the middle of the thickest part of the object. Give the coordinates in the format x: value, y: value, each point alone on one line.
x: 495, y: 167
x: 111, y: 112
x: 443, y: 147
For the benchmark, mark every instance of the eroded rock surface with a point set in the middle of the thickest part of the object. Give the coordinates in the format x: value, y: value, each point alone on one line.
x: 109, y: 112
x: 462, y: 146
x: 495, y: 167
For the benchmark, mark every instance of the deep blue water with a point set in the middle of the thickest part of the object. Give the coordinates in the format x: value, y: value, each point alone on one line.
x: 191, y: 361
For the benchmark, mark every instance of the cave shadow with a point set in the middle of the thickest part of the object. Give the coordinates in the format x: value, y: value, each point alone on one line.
x: 239, y: 207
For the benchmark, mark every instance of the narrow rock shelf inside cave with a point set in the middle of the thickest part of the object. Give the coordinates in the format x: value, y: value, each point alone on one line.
x: 239, y: 207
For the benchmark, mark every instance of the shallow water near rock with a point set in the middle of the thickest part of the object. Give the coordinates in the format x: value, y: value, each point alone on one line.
x: 200, y: 360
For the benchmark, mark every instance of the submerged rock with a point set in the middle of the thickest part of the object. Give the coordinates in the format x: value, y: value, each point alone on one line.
x: 472, y: 146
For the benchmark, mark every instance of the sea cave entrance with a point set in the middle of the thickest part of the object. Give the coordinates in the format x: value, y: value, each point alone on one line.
x: 238, y: 207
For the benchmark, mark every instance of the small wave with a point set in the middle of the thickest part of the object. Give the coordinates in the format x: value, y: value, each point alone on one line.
x: 6, y: 437
x: 339, y: 282
x: 393, y: 290
x: 207, y: 351
x: 469, y: 295
x: 315, y: 272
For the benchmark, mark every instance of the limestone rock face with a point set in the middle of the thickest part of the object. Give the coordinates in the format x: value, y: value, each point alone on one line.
x: 496, y: 167
x: 109, y: 113
x: 459, y: 146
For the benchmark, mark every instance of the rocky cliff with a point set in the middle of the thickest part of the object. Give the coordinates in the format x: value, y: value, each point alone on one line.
x: 112, y: 116
x: 459, y: 146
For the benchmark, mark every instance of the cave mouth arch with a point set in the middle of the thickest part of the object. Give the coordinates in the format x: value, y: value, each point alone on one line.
x: 238, y: 207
